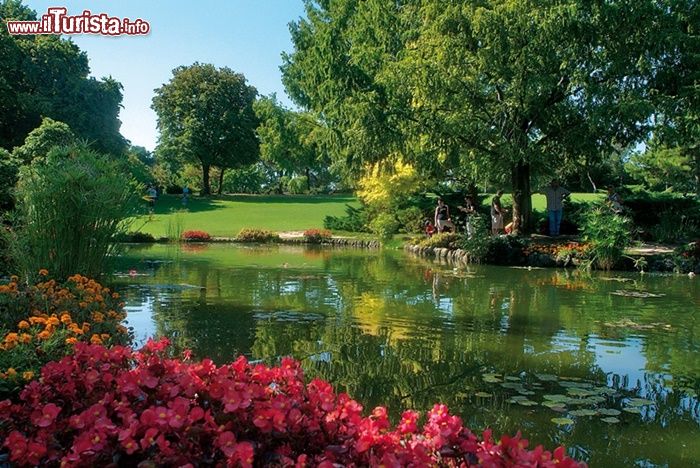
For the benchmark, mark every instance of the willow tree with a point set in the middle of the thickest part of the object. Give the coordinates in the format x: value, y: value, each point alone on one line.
x: 512, y: 88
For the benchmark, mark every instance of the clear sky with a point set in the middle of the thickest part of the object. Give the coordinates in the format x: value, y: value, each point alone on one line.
x: 247, y: 36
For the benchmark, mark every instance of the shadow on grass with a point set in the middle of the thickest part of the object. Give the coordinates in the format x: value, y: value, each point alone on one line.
x: 168, y: 203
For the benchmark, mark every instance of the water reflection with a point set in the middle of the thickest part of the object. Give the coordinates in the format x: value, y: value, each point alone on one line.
x: 402, y: 332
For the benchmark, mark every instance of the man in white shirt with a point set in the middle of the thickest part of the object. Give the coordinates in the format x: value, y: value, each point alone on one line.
x: 555, y: 197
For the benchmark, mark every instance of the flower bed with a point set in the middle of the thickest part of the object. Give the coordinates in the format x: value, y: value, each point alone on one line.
x: 317, y: 236
x: 196, y: 236
x: 256, y: 235
x: 116, y: 406
x: 47, y: 319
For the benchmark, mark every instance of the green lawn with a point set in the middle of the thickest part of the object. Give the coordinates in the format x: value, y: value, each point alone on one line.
x: 225, y: 216
x: 539, y: 202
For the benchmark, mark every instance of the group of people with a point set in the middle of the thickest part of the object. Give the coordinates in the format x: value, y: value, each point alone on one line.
x: 152, y: 196
x: 554, y: 193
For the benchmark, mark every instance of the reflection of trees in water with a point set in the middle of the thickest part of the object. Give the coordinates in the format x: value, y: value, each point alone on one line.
x: 371, y: 324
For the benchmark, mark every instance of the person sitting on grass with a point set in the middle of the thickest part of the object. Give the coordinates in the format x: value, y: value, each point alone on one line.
x: 442, y: 217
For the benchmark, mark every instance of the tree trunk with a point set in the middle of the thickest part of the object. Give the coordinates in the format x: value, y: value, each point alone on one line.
x: 221, y: 179
x: 522, y: 199
x: 590, y: 179
x: 308, y: 180
x: 206, y: 188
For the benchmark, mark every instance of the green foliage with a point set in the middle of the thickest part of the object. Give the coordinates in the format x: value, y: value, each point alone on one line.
x: 505, y: 250
x: 477, y: 246
x: 317, y: 236
x: 248, y: 179
x: 257, y: 235
x: 664, y: 216
x: 298, y: 185
x: 136, y: 238
x: 410, y: 219
x: 355, y: 220
x: 661, y: 168
x: 70, y: 209
x: 216, y: 129
x: 384, y: 226
x: 441, y: 240
x: 608, y: 235
x: 43, y: 139
x: 9, y: 170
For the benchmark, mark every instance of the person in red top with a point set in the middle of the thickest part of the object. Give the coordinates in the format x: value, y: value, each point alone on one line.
x: 429, y: 228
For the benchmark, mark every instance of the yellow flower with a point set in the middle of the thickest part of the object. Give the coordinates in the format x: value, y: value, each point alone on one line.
x: 23, y: 325
x: 11, y: 372
x: 28, y: 375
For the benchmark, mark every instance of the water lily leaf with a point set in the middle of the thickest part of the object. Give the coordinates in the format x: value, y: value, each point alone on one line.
x: 639, y: 402
x: 637, y: 294
x: 491, y: 378
x: 483, y: 395
x: 547, y: 377
x: 610, y: 420
x: 519, y: 398
x: 595, y: 399
x: 580, y: 392
x: 527, y: 403
x: 522, y: 391
x: 553, y: 404
x: 513, y: 378
x: 583, y: 412
x: 559, y: 398
x: 512, y: 385
x: 562, y: 421
x: 632, y: 409
x: 608, y: 412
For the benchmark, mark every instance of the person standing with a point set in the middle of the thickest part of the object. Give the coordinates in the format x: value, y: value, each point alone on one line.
x: 496, y: 213
x: 555, y: 205
x: 614, y: 200
x: 469, y: 210
x: 185, y: 195
x: 442, y: 217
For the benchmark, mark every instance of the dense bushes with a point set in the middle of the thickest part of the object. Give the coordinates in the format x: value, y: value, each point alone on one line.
x: 137, y: 237
x: 355, y: 220
x: 41, y: 323
x: 384, y: 226
x: 441, y: 240
x: 607, y: 234
x: 664, y: 217
x: 317, y: 236
x: 195, y: 236
x: 9, y: 170
x: 100, y: 407
x: 71, y: 208
x: 256, y: 235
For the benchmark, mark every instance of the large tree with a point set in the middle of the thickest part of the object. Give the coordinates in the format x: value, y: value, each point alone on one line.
x: 206, y: 117
x: 509, y: 88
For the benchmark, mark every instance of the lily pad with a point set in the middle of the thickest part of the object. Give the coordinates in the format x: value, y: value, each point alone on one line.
x: 522, y: 391
x: 513, y: 378
x: 557, y: 397
x: 632, y: 409
x: 583, y: 412
x: 553, y: 404
x: 609, y: 412
x: 579, y: 392
x: 636, y: 294
x: 562, y: 421
x: 610, y: 420
x: 527, y: 403
x: 491, y: 378
x: 483, y: 395
x: 512, y: 385
x: 547, y: 377
x: 640, y: 402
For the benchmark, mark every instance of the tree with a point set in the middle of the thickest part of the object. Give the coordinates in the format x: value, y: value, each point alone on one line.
x: 507, y: 87
x: 44, y: 138
x: 663, y: 168
x: 46, y: 76
x: 289, y: 140
x: 205, y: 116
x: 9, y: 169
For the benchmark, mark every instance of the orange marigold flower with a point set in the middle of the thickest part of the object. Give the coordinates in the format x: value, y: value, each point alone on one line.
x: 11, y: 338
x: 71, y: 340
x: 104, y: 336
x: 53, y: 321
x: 43, y: 272
x: 37, y: 320
x: 115, y: 295
x: 28, y: 375
x: 23, y: 325
x: 66, y: 319
x: 82, y: 304
x: 86, y: 327
x: 44, y: 335
x: 11, y: 372
x: 95, y: 339
x: 97, y: 317
x: 25, y: 338
x: 122, y: 329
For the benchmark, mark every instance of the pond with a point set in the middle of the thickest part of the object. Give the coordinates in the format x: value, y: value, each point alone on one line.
x: 607, y: 364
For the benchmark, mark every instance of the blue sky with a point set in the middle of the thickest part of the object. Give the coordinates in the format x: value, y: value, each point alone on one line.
x: 247, y: 36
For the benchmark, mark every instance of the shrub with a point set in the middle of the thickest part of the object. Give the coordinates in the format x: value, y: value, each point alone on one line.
x: 71, y: 208
x: 477, y: 246
x: 441, y: 240
x: 505, y: 250
x: 608, y: 234
x: 384, y: 226
x: 137, y: 237
x: 410, y: 219
x: 355, y: 220
x: 317, y: 236
x: 146, y: 408
x: 298, y: 185
x: 664, y: 217
x: 195, y: 236
x: 257, y: 235
x: 9, y: 170
x: 45, y: 320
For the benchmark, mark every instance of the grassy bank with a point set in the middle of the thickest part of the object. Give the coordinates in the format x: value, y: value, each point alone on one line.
x: 226, y: 215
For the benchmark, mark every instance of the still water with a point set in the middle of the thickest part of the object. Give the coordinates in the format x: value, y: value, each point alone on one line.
x: 607, y: 364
